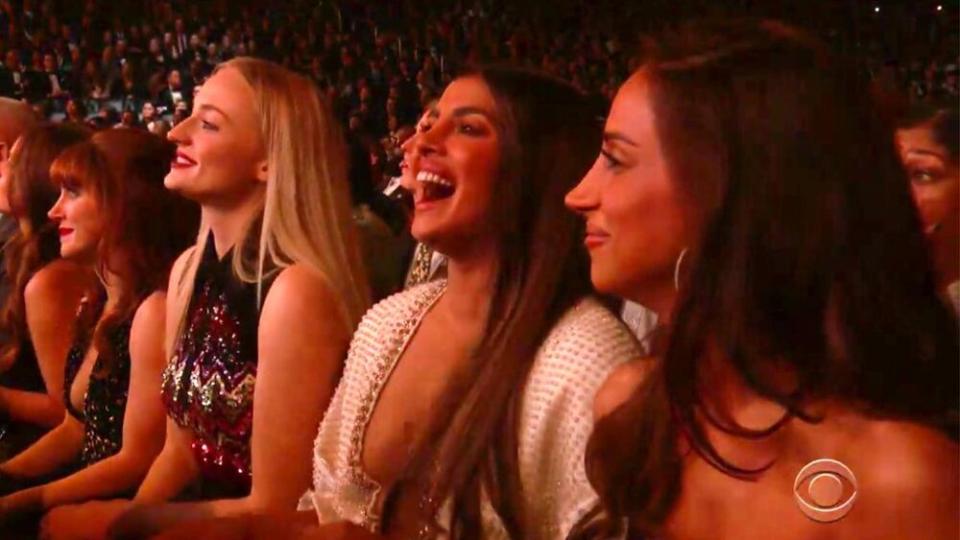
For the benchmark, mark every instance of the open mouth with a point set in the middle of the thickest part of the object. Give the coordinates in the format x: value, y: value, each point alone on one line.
x: 181, y: 161
x: 434, y: 187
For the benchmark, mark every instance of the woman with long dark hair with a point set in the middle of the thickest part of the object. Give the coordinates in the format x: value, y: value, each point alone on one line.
x: 465, y: 403
x: 113, y: 213
x: 807, y: 383
x: 45, y: 289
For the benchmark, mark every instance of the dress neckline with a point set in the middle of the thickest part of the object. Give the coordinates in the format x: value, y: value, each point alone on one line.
x: 383, y: 369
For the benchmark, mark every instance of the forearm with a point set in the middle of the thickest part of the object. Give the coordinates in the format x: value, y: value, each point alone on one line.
x: 170, y: 473
x: 36, y: 408
x: 109, y: 477
x: 55, y: 449
x: 143, y: 521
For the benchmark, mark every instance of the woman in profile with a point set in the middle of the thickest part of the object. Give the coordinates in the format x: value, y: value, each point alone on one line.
x: 748, y: 192
x: 115, y: 215
x: 465, y: 404
x: 261, y: 309
x: 929, y: 149
x: 45, y: 289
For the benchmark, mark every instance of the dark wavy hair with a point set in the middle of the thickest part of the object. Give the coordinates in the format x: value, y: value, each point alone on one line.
x: 811, y: 260
x: 549, y: 135
x: 36, y: 242
x: 943, y: 119
x: 148, y: 225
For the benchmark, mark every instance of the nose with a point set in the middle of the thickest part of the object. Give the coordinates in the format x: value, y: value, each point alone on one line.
x: 56, y: 211
x: 179, y: 133
x: 585, y: 196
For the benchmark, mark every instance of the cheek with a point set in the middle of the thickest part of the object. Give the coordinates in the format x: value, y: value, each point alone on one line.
x: 937, y: 201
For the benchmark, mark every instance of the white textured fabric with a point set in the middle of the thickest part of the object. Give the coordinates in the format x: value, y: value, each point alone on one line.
x: 555, y: 422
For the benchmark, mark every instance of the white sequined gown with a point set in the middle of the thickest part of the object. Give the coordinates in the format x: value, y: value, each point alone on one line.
x: 556, y: 417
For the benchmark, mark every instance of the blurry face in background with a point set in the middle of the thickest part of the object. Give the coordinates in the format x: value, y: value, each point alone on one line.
x: 935, y: 182
x: 635, y: 217
x: 220, y: 158
x: 457, y: 157
x: 80, y: 222
x: 8, y: 156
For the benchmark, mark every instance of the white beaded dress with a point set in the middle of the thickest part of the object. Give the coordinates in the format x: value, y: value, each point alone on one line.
x: 556, y: 415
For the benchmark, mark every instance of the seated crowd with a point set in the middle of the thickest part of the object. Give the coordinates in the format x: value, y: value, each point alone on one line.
x: 646, y: 318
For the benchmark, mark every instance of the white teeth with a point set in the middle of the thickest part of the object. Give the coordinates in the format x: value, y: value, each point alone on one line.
x: 427, y: 176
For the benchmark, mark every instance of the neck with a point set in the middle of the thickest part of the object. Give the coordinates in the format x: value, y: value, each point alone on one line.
x: 228, y: 224
x: 470, y: 283
x: 660, y: 299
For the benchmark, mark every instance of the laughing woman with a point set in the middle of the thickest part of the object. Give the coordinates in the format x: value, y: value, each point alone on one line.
x: 113, y: 213
x: 262, y: 308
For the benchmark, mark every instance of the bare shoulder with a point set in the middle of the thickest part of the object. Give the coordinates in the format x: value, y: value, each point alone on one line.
x: 909, y: 471
x: 914, y: 458
x: 300, y: 287
x: 150, y: 314
x: 54, y: 280
x: 622, y: 382
x: 302, y: 297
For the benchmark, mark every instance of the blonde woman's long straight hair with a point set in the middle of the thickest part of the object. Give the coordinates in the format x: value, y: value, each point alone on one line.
x: 306, y: 217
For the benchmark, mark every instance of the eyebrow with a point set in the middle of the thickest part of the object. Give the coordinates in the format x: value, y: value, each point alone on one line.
x: 615, y: 136
x: 208, y: 107
x: 462, y: 111
x: 927, y: 153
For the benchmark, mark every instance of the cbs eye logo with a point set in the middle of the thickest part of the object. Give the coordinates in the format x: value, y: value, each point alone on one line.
x: 825, y: 490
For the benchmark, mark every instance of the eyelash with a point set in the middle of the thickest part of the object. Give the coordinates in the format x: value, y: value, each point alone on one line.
x: 208, y: 126
x: 612, y: 162
x: 920, y: 176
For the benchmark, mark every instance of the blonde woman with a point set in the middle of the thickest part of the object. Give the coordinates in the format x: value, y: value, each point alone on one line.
x: 262, y: 308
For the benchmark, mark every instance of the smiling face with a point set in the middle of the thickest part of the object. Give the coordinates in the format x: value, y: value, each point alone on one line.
x: 935, y: 181
x: 934, y: 178
x: 456, y: 161
x: 80, y: 221
x: 635, y: 216
x: 220, y: 158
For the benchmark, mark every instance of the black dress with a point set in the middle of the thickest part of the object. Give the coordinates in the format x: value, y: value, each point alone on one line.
x: 106, y: 397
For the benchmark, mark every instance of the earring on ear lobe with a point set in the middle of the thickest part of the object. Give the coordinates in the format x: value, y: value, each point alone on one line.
x: 676, y: 269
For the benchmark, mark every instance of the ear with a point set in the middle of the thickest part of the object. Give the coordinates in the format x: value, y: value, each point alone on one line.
x: 262, y: 170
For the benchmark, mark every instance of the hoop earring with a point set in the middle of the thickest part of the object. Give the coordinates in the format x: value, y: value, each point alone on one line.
x: 676, y: 269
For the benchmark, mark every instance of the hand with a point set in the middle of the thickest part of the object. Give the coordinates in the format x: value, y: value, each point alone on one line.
x: 88, y: 521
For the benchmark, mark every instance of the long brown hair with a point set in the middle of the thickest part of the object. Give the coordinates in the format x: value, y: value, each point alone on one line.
x: 146, y: 225
x: 36, y: 241
x: 549, y: 137
x: 811, y: 256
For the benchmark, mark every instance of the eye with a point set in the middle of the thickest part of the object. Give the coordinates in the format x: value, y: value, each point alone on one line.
x: 922, y: 176
x: 208, y: 126
x: 469, y: 129
x: 611, y: 162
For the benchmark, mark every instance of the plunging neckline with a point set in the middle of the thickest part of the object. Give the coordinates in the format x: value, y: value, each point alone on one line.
x: 386, y: 364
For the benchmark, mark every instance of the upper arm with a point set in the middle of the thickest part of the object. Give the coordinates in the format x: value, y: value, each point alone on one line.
x: 622, y: 382
x: 143, y: 420
x: 51, y: 298
x: 556, y: 417
x: 302, y: 345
